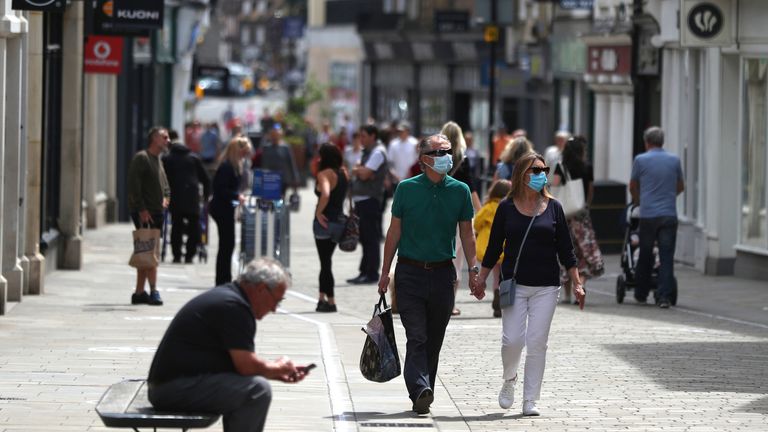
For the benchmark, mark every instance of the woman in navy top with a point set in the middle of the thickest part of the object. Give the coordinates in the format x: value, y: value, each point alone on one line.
x: 227, y: 196
x: 527, y: 321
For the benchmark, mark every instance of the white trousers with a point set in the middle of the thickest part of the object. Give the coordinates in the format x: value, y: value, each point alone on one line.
x: 526, y: 324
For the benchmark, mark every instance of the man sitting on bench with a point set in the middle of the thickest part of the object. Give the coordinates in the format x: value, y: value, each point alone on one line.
x: 206, y: 360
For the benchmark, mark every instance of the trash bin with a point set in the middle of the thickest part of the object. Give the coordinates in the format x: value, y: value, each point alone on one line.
x: 607, y: 211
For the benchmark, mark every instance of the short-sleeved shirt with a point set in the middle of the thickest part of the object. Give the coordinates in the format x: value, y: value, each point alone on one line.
x: 199, y: 338
x: 657, y: 171
x: 429, y: 213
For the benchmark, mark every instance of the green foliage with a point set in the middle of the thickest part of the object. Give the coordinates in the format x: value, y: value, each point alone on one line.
x: 310, y: 93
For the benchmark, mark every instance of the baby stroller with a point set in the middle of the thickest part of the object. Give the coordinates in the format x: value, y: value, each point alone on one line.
x: 630, y: 253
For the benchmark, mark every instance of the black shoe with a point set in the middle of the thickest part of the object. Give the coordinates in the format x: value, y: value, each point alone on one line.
x: 363, y: 280
x: 325, y: 307
x: 154, y: 299
x: 140, y: 298
x: 356, y: 280
x: 664, y: 304
x: 422, y: 403
x: 189, y: 260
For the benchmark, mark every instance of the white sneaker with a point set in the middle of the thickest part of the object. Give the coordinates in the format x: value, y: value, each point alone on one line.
x: 507, y: 393
x: 529, y: 408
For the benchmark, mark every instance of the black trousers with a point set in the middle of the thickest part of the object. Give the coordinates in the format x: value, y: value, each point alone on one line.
x: 325, y: 248
x: 369, y: 212
x: 225, y: 223
x: 425, y: 302
x: 185, y: 224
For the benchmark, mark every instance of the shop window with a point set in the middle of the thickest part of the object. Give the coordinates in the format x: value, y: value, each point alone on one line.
x: 753, y: 178
x: 433, y: 113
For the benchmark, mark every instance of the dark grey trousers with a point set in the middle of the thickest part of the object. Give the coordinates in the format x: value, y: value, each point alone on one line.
x: 425, y: 301
x: 242, y: 400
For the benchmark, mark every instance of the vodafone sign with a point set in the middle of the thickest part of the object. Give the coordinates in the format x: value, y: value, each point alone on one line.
x: 103, y: 54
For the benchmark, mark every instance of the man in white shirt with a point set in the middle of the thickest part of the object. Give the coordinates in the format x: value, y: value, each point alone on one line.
x: 402, y: 151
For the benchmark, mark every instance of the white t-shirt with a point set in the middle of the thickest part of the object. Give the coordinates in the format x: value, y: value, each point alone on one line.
x: 402, y: 155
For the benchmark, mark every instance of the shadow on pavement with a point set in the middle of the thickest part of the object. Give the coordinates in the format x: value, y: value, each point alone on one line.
x: 479, y: 418
x: 375, y: 416
x: 730, y: 367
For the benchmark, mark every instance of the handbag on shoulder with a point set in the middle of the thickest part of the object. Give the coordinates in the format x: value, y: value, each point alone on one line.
x: 351, y: 235
x: 570, y: 194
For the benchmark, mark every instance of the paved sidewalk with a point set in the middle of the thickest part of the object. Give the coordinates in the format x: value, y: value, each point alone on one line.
x: 699, y: 367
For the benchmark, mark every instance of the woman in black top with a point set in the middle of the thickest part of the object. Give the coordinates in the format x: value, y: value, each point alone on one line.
x: 526, y: 323
x: 462, y: 173
x: 328, y: 226
x: 588, y: 256
x: 227, y: 196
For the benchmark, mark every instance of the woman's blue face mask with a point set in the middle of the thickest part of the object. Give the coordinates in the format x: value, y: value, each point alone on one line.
x: 537, y: 181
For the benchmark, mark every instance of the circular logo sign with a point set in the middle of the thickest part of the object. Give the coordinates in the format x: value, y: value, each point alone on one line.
x: 101, y: 50
x: 705, y: 20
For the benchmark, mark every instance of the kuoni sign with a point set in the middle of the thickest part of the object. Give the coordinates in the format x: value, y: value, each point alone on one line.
x: 103, y: 54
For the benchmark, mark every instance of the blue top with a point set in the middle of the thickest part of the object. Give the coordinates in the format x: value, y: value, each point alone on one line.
x: 657, y: 172
x: 548, y: 241
x: 504, y: 170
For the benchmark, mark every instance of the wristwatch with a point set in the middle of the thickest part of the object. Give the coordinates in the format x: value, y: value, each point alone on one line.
x: 475, y: 269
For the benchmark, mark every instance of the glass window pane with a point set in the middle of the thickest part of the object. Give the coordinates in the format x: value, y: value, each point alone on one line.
x: 753, y: 223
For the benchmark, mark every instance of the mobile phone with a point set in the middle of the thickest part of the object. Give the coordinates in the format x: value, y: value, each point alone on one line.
x: 308, y: 367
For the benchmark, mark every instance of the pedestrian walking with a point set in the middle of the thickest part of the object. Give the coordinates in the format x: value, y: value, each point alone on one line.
x: 482, y: 224
x: 402, y: 152
x: 148, y: 197
x: 207, y: 362
x: 226, y: 197
x: 531, y: 229
x: 277, y: 156
x: 461, y: 172
x: 516, y: 147
x: 425, y: 212
x: 553, y: 155
x: 368, y: 197
x: 328, y: 225
x: 186, y: 173
x: 656, y: 181
x: 589, y: 259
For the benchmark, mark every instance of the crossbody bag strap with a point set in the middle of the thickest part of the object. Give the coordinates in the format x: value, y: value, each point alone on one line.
x: 520, y: 252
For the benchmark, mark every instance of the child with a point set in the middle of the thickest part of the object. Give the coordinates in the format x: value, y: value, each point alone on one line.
x: 482, y: 223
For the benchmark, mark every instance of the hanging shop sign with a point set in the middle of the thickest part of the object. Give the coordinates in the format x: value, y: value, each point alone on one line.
x: 707, y: 23
x: 40, y: 5
x: 103, y: 54
x: 128, y: 17
x: 613, y: 60
x: 576, y: 4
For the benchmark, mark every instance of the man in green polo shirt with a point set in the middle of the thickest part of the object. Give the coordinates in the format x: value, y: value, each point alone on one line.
x: 425, y: 211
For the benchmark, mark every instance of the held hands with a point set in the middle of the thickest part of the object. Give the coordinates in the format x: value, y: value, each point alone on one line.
x: 479, y: 291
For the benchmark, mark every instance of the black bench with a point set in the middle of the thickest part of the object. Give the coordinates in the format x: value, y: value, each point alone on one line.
x: 126, y: 405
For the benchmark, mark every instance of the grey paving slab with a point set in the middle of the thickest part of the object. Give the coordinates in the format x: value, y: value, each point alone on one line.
x: 612, y: 367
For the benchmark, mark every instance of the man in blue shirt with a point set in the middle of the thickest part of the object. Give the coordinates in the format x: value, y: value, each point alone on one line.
x: 657, y: 180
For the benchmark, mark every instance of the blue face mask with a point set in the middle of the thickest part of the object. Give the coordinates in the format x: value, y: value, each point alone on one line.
x: 537, y: 181
x: 442, y: 164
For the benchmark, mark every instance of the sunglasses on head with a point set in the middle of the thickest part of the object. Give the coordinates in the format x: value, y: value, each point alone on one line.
x: 439, y: 152
x: 539, y: 170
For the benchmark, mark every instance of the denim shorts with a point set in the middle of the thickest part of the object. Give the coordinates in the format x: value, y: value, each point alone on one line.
x: 334, y: 231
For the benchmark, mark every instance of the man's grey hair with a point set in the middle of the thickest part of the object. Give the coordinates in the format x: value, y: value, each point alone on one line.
x: 654, y: 136
x: 562, y: 134
x: 267, y: 271
x: 425, y: 145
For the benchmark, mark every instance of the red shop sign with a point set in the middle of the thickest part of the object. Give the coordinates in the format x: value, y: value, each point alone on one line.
x: 103, y: 54
x: 609, y: 59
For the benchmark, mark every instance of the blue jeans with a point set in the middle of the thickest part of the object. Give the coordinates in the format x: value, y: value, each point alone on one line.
x: 663, y: 232
x: 425, y: 300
